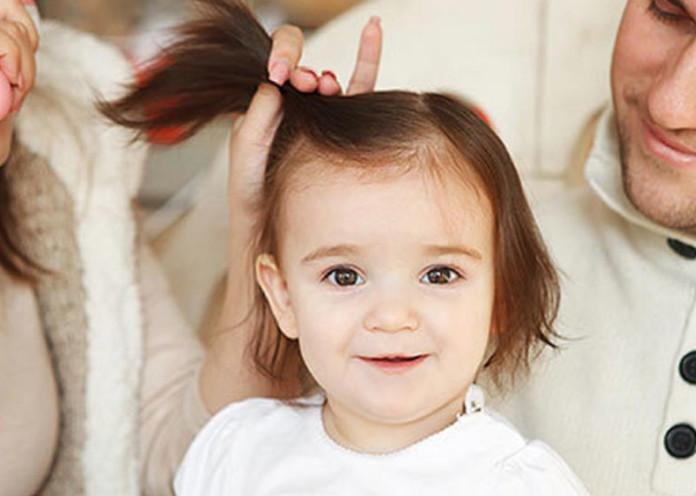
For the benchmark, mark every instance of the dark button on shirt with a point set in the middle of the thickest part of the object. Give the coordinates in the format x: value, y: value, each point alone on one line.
x: 680, y: 441
x: 687, y: 367
x: 682, y: 249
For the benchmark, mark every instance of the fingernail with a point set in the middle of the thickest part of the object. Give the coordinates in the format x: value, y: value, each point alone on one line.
x: 375, y: 20
x: 309, y: 71
x: 20, y: 81
x: 329, y: 73
x: 280, y: 72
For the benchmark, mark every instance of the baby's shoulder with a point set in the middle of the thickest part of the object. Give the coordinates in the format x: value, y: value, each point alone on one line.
x: 525, y: 467
x: 538, y: 470
x: 256, y: 416
x: 237, y: 439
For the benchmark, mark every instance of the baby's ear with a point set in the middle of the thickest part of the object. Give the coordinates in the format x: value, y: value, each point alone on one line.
x: 275, y: 288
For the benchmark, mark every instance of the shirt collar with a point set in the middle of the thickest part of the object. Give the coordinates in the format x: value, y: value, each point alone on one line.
x: 603, y: 173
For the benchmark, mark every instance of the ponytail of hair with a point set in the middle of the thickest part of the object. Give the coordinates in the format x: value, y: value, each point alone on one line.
x: 213, y: 68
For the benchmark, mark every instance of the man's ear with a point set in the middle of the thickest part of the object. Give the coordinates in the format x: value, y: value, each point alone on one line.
x: 273, y: 285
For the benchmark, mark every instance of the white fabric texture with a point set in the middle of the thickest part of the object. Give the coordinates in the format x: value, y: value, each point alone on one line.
x: 607, y: 398
x: 101, y: 174
x: 268, y: 447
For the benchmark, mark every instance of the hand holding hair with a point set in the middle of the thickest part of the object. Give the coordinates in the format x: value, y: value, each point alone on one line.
x: 253, y: 133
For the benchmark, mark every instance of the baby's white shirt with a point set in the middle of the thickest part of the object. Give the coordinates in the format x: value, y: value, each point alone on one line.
x: 264, y: 447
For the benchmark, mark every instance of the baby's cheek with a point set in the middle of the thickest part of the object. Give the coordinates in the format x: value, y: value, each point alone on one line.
x: 462, y: 326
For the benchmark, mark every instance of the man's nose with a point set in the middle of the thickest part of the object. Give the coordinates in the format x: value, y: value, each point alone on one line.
x: 672, y: 98
x: 393, y: 313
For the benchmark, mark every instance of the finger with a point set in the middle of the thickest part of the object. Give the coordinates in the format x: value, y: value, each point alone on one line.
x: 249, y: 145
x: 285, y: 53
x: 305, y: 80
x: 328, y: 84
x: 367, y: 65
x: 25, y: 81
x: 259, y: 124
x: 10, y: 53
x: 15, y: 11
x: 238, y: 120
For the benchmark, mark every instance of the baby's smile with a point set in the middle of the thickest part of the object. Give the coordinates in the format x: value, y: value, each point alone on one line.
x: 395, y: 364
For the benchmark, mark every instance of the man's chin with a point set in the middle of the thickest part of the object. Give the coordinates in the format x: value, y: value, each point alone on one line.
x: 660, y: 196
x: 664, y: 194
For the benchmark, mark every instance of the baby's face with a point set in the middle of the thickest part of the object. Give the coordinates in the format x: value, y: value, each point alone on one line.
x: 387, y: 282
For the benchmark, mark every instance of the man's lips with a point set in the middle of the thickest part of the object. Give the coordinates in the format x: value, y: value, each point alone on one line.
x: 665, y: 148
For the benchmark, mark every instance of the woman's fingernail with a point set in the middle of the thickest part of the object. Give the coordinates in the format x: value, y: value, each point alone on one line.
x: 375, y: 20
x: 329, y: 73
x: 280, y: 72
x: 20, y: 81
x: 309, y: 71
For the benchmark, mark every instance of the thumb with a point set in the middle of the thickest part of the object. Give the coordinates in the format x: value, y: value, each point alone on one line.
x: 261, y: 119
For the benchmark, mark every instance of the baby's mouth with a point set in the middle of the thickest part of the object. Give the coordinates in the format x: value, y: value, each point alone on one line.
x: 394, y: 363
x: 394, y: 358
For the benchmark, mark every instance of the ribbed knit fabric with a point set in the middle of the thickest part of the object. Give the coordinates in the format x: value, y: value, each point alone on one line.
x: 46, y: 230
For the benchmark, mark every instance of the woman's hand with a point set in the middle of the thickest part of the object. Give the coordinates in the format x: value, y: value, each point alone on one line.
x: 229, y: 373
x: 253, y: 133
x: 19, y: 41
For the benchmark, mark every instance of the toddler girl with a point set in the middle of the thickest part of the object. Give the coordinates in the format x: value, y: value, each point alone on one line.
x: 396, y: 256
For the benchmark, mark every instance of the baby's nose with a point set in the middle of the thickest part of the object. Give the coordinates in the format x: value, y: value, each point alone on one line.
x: 392, y: 315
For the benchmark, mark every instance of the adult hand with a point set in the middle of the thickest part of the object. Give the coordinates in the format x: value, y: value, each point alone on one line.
x: 19, y: 40
x: 228, y: 373
x: 253, y: 133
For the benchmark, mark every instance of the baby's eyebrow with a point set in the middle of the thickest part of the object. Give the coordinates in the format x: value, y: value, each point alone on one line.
x: 331, y: 251
x: 453, y: 250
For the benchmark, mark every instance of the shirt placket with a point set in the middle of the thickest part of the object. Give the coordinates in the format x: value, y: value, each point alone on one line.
x: 675, y: 462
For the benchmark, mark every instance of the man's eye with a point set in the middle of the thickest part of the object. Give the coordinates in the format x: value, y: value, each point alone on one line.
x: 344, y: 277
x: 440, y: 275
x: 665, y: 10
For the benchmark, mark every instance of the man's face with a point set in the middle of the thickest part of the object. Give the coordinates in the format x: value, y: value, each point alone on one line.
x: 654, y: 92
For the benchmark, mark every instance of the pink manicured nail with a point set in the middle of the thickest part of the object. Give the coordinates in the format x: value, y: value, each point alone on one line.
x: 375, y: 20
x: 329, y: 73
x: 309, y: 71
x: 280, y: 72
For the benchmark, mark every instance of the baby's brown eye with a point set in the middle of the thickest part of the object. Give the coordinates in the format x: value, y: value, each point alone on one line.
x: 344, y: 277
x: 440, y: 275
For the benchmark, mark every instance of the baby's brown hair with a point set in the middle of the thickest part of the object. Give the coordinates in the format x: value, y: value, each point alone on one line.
x: 215, y: 67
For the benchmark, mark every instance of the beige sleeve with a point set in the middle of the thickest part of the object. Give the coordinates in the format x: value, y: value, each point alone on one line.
x: 172, y: 411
